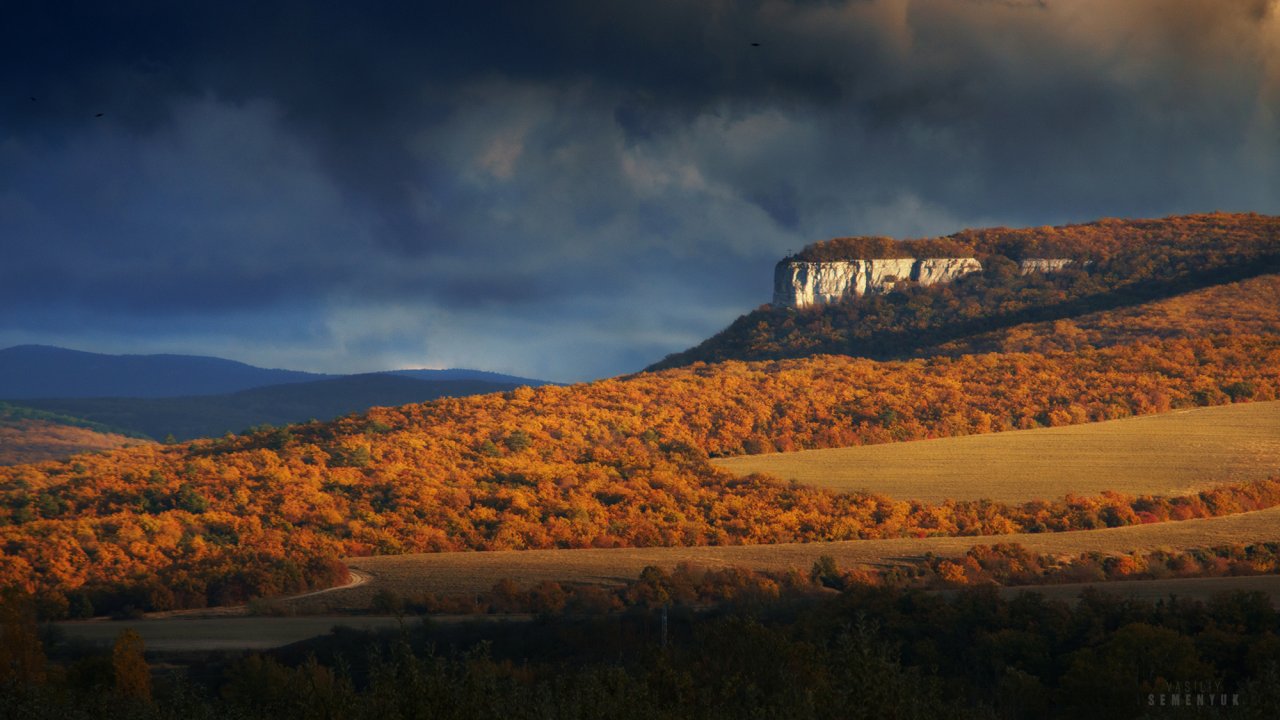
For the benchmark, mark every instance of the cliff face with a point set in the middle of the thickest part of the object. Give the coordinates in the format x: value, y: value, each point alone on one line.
x: 937, y: 270
x: 803, y: 284
x: 1030, y: 265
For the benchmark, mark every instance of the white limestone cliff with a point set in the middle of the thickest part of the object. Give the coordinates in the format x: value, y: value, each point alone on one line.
x: 1030, y: 265
x: 803, y: 283
x: 880, y: 275
x: 935, y: 270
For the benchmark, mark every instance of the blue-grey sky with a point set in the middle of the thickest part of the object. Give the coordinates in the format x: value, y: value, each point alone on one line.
x: 571, y: 189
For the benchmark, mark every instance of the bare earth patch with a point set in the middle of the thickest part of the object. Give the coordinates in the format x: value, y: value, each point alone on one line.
x: 1168, y: 454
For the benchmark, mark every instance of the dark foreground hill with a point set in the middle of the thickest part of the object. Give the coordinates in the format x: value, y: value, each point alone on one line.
x: 214, y: 415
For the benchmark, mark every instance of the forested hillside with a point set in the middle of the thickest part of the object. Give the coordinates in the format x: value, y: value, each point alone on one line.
x: 613, y: 463
x: 1246, y: 307
x: 1119, y: 264
x: 1209, y: 237
x: 1171, y: 314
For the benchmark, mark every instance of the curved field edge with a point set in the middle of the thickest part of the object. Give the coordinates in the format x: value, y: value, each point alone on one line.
x: 1165, y: 454
x: 463, y: 572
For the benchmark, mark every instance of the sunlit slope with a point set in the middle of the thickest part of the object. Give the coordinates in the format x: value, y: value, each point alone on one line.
x: 31, y: 440
x: 1245, y: 307
x: 29, y: 435
x: 1170, y: 453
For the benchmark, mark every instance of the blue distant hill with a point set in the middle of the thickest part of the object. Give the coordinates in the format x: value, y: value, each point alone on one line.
x: 196, y: 416
x: 42, y: 371
x: 461, y: 374
x: 189, y: 396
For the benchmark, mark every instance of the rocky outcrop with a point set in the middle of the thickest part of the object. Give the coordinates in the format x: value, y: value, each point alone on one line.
x: 938, y: 270
x: 803, y: 284
x: 1030, y: 265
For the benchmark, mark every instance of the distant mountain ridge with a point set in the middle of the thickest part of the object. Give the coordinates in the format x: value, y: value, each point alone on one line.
x: 197, y: 416
x: 464, y: 374
x: 45, y: 371
x: 42, y: 371
x: 188, y: 396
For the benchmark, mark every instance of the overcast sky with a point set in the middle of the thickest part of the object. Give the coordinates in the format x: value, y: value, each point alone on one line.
x: 571, y: 190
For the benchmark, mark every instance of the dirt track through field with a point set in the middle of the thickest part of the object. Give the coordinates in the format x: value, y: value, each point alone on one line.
x: 1167, y: 454
x: 183, y: 635
x: 473, y: 572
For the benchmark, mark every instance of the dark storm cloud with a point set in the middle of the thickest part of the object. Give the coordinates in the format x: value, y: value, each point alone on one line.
x: 573, y: 188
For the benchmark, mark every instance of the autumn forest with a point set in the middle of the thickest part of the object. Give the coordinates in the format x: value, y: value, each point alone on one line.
x: 1157, y: 316
x: 624, y: 462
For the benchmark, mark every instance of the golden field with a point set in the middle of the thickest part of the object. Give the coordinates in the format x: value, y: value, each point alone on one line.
x: 1168, y: 454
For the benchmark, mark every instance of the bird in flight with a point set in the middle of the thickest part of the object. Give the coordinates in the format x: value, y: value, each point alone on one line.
x: 755, y: 44
x: 99, y: 114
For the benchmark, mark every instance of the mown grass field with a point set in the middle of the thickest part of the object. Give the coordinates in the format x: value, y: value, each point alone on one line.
x: 471, y: 572
x: 1166, y: 454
